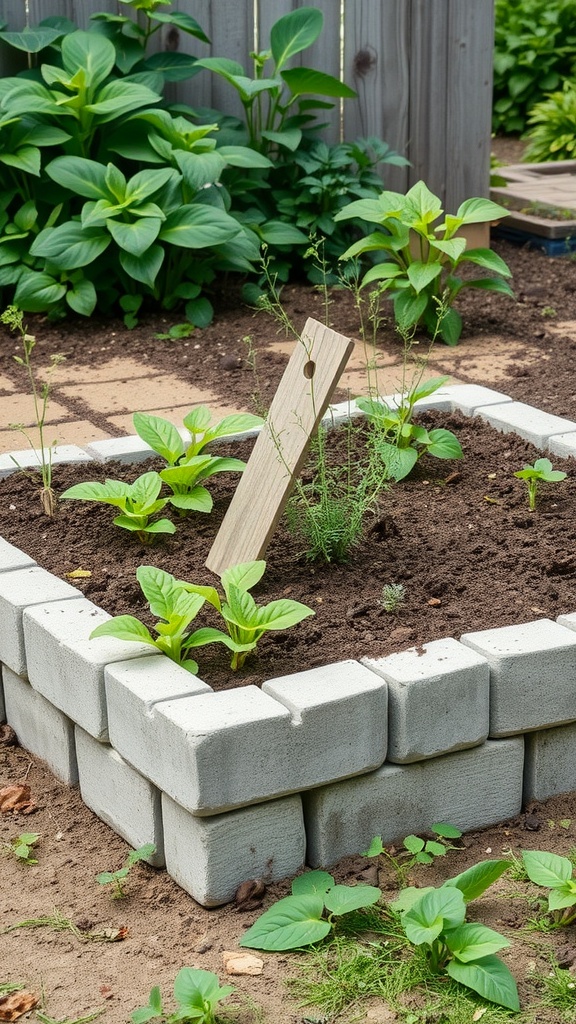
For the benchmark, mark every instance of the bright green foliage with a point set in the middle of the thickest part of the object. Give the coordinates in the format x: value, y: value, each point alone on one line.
x: 420, y: 260
x: 307, y: 916
x: 197, y: 994
x: 398, y: 440
x: 137, y: 501
x: 420, y: 851
x: 535, y: 50
x: 434, y: 919
x: 176, y: 332
x: 167, y: 442
x: 22, y: 847
x: 116, y: 878
x: 552, y: 126
x: 540, y: 472
x: 555, y: 873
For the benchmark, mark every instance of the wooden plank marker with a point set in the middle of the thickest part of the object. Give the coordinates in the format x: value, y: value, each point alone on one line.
x: 301, y: 400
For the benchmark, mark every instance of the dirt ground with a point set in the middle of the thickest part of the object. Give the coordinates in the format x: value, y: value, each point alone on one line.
x: 525, y: 347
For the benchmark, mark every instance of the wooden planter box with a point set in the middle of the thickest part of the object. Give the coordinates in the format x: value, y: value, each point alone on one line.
x: 542, y: 203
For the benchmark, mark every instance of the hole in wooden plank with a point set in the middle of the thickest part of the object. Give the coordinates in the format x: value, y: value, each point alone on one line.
x: 309, y: 369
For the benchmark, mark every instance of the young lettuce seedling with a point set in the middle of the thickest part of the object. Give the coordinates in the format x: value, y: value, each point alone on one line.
x: 137, y: 503
x: 540, y: 472
x: 555, y: 873
x: 197, y: 994
x: 116, y: 878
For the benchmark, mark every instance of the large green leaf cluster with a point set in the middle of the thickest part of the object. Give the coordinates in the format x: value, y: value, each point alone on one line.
x: 535, y: 50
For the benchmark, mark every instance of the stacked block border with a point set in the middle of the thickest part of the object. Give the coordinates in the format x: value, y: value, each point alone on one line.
x: 255, y: 782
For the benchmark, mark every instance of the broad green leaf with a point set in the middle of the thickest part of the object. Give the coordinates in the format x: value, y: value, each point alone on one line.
x: 436, y: 910
x: 243, y: 156
x: 82, y: 298
x: 312, y: 883
x: 160, y: 526
x: 193, y: 986
x: 294, y: 32
x: 282, y: 614
x: 341, y: 899
x: 207, y: 635
x: 124, y: 627
x: 473, y: 882
x: 370, y: 243
x: 90, y: 51
x: 196, y: 500
x: 276, y: 232
x: 302, y: 81
x: 159, y: 589
x: 198, y: 420
x: 146, y: 488
x: 291, y: 923
x: 184, y: 22
x: 136, y: 237
x: 198, y: 227
x: 37, y: 292
x: 561, y: 897
x: 160, y: 434
x: 25, y: 158
x: 478, y: 211
x: 81, y: 176
x: 25, y: 218
x: 382, y: 272
x: 147, y: 850
x: 244, y: 575
x: 444, y: 444
x: 20, y: 96
x: 443, y: 828
x: 429, y: 387
x: 413, y: 844
x: 70, y: 246
x: 200, y: 312
x: 408, y: 897
x: 450, y: 327
x: 31, y: 40
x: 490, y: 978
x: 375, y: 848
x: 420, y: 207
x: 421, y: 275
x: 290, y: 138
x: 145, y: 183
x: 436, y: 849
x: 489, y: 260
x: 546, y: 868
x: 174, y: 67
x: 472, y: 941
x: 491, y: 284
x: 399, y: 462
x: 453, y: 248
x: 144, y: 268
x: 409, y: 308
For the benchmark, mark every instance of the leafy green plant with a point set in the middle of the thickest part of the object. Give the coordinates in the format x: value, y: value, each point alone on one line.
x: 175, y: 333
x: 552, y: 126
x: 117, y: 878
x: 392, y: 596
x: 308, y: 914
x: 434, y: 920
x: 166, y: 440
x: 555, y: 873
x: 178, y: 602
x: 13, y: 318
x: 137, y: 501
x: 541, y: 472
x: 22, y: 847
x: 416, y: 850
x: 398, y: 440
x: 534, y: 51
x: 420, y: 260
x: 197, y: 994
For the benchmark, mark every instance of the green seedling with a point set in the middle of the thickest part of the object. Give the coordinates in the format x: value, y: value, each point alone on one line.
x: 541, y: 472
x: 399, y: 441
x: 554, y: 873
x: 416, y: 850
x: 308, y: 914
x: 188, y: 495
x: 22, y: 847
x: 138, y: 502
x: 176, y: 332
x: 164, y: 438
x: 392, y: 596
x: 197, y: 994
x: 434, y: 920
x: 116, y: 878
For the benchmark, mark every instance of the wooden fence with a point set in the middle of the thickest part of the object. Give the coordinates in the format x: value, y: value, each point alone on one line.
x: 422, y: 70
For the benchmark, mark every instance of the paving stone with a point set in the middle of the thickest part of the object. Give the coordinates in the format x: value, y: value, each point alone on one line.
x: 467, y: 398
x: 532, y: 675
x: 438, y: 699
x: 29, y: 458
x: 526, y: 421
x: 19, y: 589
x: 12, y: 558
x: 40, y: 727
x: 66, y: 666
x: 120, y: 796
x: 210, y: 857
x: 563, y: 445
x: 550, y: 766
x: 469, y: 789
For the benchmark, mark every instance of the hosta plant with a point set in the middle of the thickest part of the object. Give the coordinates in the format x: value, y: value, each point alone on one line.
x: 138, y: 502
x: 556, y: 874
x: 167, y: 441
x: 552, y: 126
x: 420, y: 260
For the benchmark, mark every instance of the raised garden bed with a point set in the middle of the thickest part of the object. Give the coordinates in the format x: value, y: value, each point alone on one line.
x: 251, y: 782
x: 542, y: 203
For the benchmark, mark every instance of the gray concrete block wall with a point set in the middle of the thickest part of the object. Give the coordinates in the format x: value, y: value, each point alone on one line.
x: 40, y: 727
x: 550, y: 766
x: 20, y: 589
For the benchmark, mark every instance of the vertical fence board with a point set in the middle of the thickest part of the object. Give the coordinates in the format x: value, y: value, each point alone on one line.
x: 428, y: 93
x: 195, y: 91
x: 232, y: 33
x: 324, y: 55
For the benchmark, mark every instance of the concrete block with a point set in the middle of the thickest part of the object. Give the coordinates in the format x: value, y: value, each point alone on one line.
x: 2, y: 702
x: 563, y: 445
x: 19, y: 589
x: 133, y: 689
x: 467, y: 398
x: 211, y: 857
x: 532, y: 675
x: 121, y: 797
x: 469, y: 789
x: 550, y: 762
x: 12, y: 558
x: 438, y: 699
x: 66, y: 666
x: 40, y: 727
x: 130, y: 449
x: 29, y: 458
x: 526, y: 421
x: 339, y: 721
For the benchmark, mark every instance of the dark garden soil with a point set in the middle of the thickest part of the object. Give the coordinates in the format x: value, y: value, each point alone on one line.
x: 458, y: 536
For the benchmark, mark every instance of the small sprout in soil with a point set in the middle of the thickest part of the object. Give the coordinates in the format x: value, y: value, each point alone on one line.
x: 416, y: 850
x: 554, y: 873
x: 197, y: 994
x: 137, y: 502
x: 549, y: 311
x: 393, y: 595
x: 176, y: 332
x: 116, y: 878
x: 22, y: 847
x: 540, y: 472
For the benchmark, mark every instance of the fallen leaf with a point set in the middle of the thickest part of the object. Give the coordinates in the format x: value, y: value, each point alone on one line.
x: 78, y: 574
x: 241, y: 963
x: 15, y: 1004
x: 479, y: 1012
x: 491, y: 501
x: 110, y: 934
x: 17, y: 799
